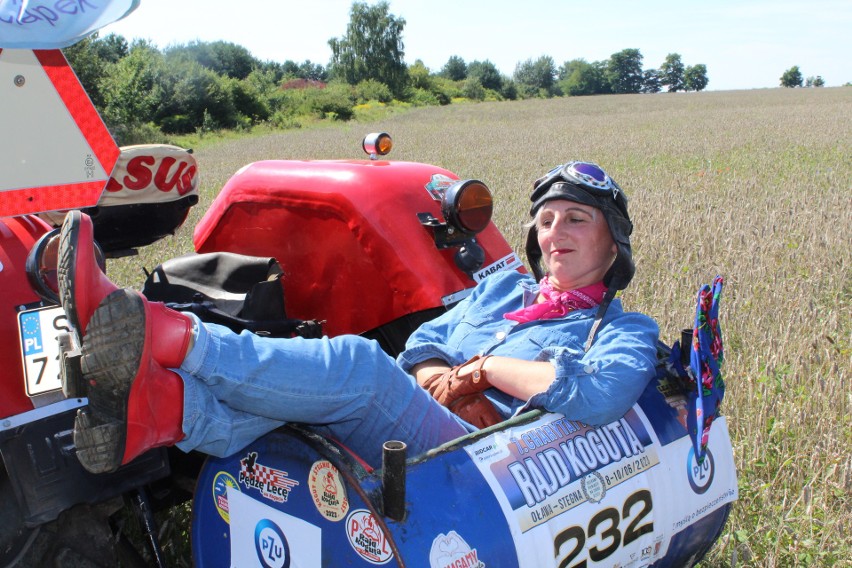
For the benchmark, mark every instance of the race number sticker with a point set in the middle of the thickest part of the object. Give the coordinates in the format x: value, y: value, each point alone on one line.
x: 39, y: 332
x: 610, y: 495
x: 554, y: 466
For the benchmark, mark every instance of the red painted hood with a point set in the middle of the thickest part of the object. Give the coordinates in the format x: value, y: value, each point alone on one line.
x: 347, y: 235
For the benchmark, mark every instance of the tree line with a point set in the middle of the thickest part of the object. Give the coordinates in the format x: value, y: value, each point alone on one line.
x: 792, y: 77
x: 144, y: 93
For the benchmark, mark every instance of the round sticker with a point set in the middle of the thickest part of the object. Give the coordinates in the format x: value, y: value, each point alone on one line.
x: 593, y: 487
x: 221, y: 483
x: 700, y: 475
x: 367, y: 538
x: 271, y: 545
x: 327, y: 491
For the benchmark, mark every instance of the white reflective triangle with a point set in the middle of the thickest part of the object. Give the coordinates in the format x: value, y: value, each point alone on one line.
x: 40, y: 143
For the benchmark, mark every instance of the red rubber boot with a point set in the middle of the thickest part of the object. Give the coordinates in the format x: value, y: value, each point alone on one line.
x: 135, y: 402
x: 82, y: 283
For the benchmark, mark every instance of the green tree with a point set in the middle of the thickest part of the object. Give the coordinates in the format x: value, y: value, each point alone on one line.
x: 578, y: 78
x: 305, y: 70
x: 445, y: 90
x: 651, y: 82
x: 335, y: 102
x: 132, y: 87
x: 473, y: 89
x: 372, y: 90
x: 189, y: 91
x: 536, y: 78
x: 266, y: 81
x: 815, y: 81
x: 111, y: 48
x: 672, y: 73
x: 624, y: 71
x: 419, y: 76
x: 792, y: 77
x: 695, y: 78
x: 372, y: 48
x: 250, y: 102
x: 221, y: 57
x: 509, y: 90
x: 455, y: 69
x: 313, y: 71
x: 487, y: 73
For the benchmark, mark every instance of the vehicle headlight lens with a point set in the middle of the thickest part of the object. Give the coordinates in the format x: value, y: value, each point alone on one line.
x: 377, y: 144
x: 468, y: 206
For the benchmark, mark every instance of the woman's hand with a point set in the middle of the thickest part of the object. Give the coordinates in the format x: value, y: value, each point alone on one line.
x: 460, y: 389
x: 450, y: 385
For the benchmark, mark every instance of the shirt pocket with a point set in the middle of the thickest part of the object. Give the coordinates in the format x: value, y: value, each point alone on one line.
x: 474, y: 327
x: 548, y: 337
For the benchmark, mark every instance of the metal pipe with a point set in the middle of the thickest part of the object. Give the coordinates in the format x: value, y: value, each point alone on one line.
x: 393, y: 479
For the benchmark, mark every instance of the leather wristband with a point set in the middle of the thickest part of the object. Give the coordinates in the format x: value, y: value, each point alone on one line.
x: 478, y: 374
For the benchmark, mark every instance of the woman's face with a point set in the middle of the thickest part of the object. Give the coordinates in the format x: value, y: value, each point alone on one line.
x: 576, y: 246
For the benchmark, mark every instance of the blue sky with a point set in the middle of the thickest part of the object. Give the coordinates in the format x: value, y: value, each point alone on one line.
x: 745, y: 44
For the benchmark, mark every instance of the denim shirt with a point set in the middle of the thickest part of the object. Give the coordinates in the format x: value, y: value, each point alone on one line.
x: 595, y: 387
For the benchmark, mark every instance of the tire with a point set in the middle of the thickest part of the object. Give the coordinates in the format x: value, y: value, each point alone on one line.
x: 81, y: 537
x: 15, y: 538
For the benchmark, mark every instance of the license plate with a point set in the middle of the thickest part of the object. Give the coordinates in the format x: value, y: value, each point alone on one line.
x: 39, y: 330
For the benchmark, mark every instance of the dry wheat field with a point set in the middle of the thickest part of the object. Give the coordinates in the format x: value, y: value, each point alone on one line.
x: 753, y: 185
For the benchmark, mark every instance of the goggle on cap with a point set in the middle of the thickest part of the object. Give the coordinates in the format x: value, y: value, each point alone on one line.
x: 586, y: 183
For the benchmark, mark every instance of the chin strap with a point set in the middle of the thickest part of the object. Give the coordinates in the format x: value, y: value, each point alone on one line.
x: 607, y: 299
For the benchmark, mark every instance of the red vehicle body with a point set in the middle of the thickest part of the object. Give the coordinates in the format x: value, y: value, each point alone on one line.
x: 351, y: 211
x: 17, y: 235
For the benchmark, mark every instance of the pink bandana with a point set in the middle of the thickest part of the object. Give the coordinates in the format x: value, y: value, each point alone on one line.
x: 557, y: 304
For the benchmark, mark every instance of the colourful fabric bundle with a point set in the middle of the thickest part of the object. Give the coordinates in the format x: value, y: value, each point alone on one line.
x: 705, y: 398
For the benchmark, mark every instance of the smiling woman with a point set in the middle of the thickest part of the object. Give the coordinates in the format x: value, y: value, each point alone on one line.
x: 575, y: 243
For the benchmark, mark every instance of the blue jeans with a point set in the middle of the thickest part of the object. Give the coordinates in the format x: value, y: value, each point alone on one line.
x: 239, y: 387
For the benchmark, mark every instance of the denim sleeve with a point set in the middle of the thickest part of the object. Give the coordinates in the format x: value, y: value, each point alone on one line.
x: 600, y: 386
x: 432, y: 340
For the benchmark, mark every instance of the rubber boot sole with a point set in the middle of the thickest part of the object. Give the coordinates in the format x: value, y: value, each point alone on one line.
x: 112, y: 354
x: 68, y: 245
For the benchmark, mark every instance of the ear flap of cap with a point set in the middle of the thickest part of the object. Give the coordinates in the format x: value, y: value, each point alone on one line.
x: 622, y: 270
x: 534, y: 255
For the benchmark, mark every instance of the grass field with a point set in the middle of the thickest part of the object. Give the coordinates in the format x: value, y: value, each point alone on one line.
x: 753, y: 185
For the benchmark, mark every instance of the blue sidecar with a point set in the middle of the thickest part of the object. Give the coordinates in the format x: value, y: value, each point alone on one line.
x: 535, y: 491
